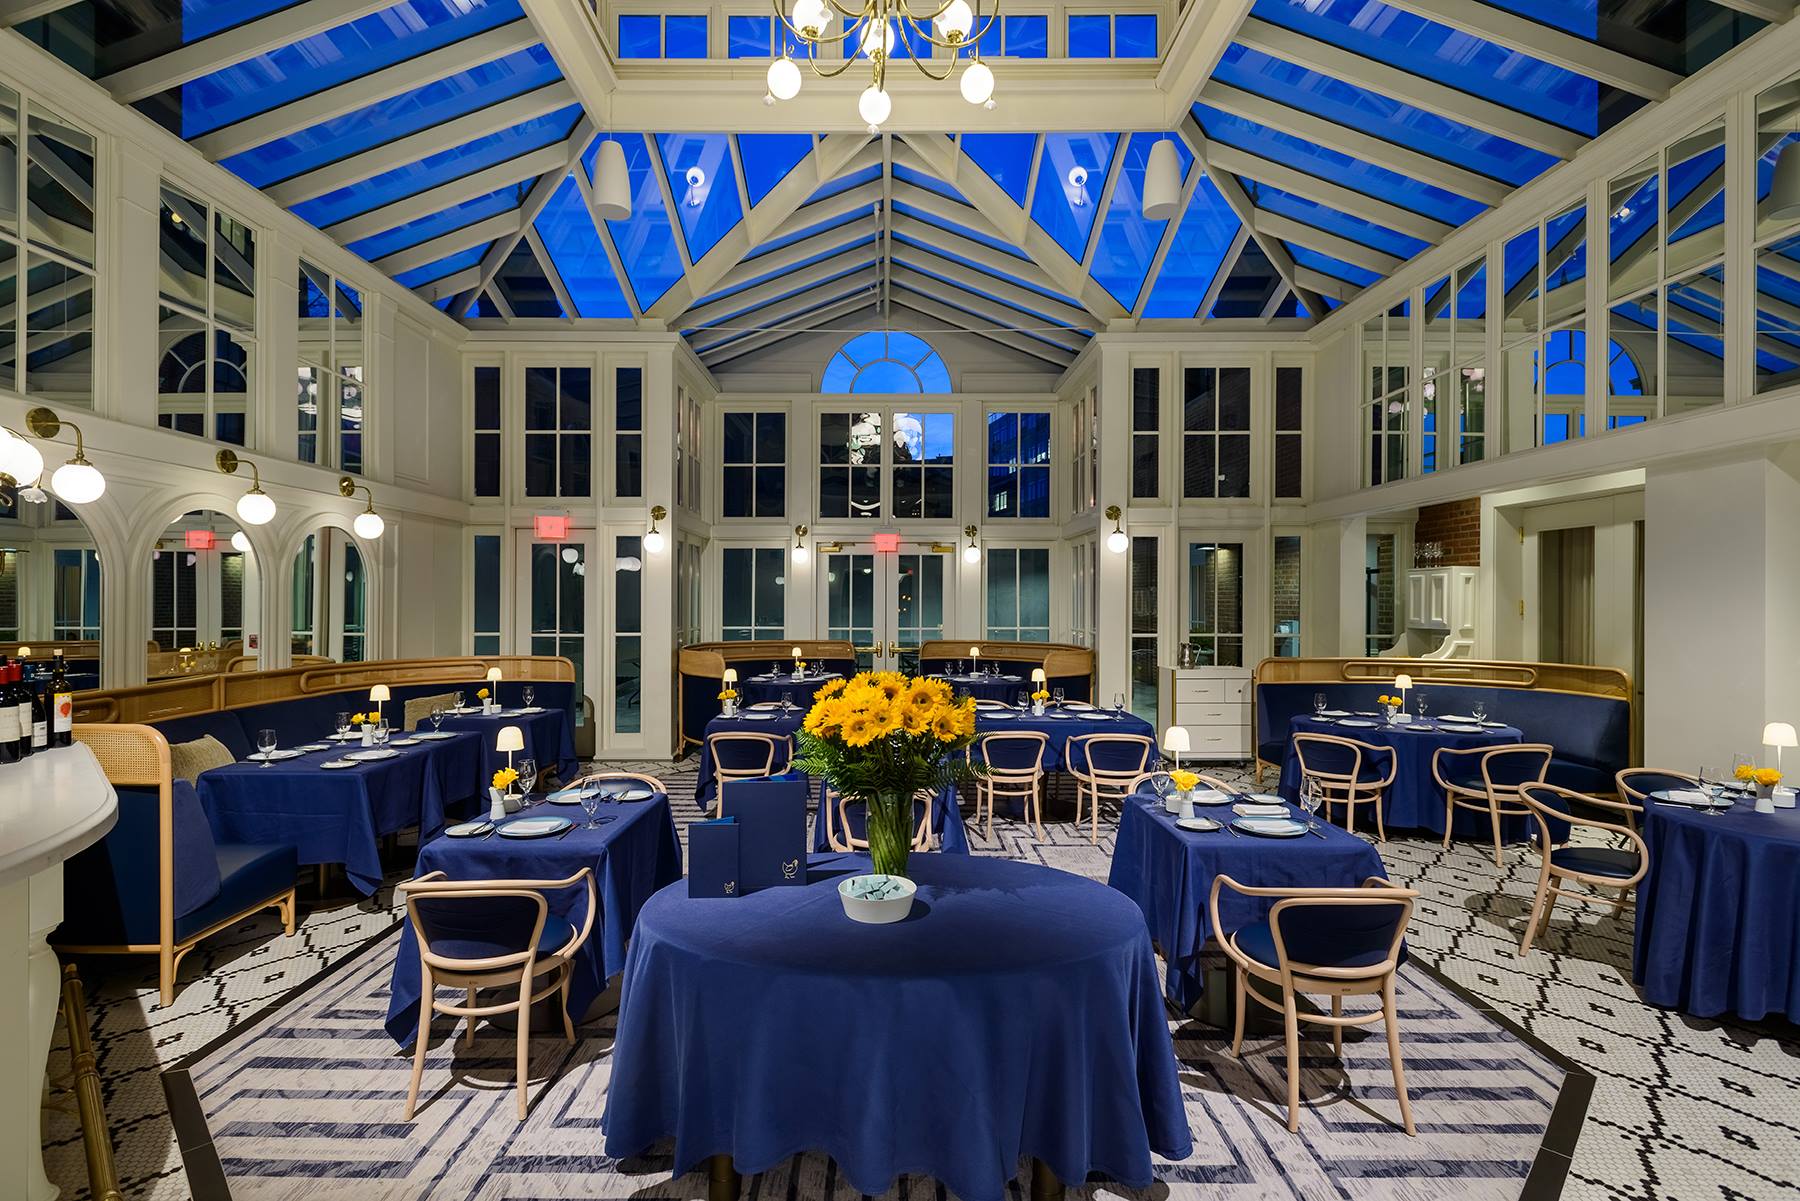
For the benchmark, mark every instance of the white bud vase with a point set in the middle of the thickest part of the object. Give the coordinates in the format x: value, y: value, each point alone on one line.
x: 1037, y: 708
x: 368, y: 734
x: 496, y: 804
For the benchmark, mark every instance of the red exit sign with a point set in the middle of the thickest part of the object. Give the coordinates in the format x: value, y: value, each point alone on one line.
x: 550, y: 529
x: 199, y: 539
x: 887, y: 544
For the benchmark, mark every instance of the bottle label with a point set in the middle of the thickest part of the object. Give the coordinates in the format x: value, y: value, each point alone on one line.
x: 63, y: 712
x: 25, y: 719
x: 40, y: 735
x: 9, y: 723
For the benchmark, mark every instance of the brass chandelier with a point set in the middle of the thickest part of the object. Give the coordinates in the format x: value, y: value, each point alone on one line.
x: 953, y: 24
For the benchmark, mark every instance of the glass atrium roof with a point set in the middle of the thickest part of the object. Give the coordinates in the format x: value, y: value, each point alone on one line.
x: 1334, y: 141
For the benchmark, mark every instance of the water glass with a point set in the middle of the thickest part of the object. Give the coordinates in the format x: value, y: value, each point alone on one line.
x: 1118, y: 702
x: 1023, y: 699
x: 1480, y: 710
x: 528, y: 776
x: 1318, y: 704
x: 1708, y: 782
x: 787, y: 702
x: 1742, y: 761
x: 590, y: 801
x: 456, y: 700
x: 529, y: 693
x: 265, y: 742
x: 382, y: 730
x: 1419, y: 703
x: 437, y: 718
x: 1311, y: 798
x: 1058, y: 696
x: 343, y: 724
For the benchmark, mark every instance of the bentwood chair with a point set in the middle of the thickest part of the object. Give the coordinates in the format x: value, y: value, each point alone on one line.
x: 1341, y: 942
x: 840, y: 832
x: 1015, y: 770
x: 1347, y: 773
x: 602, y: 777
x: 1637, y: 783
x: 744, y: 754
x: 1487, y: 780
x: 1619, y: 867
x: 1104, y: 764
x: 476, y: 934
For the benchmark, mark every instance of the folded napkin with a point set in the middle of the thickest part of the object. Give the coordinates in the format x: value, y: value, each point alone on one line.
x: 1250, y: 809
x: 1688, y: 796
x: 1209, y: 794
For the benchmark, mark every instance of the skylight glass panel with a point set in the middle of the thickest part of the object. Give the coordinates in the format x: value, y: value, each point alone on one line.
x: 803, y: 264
x: 436, y: 224
x: 1015, y: 277
x: 768, y: 157
x: 1128, y: 239
x: 1071, y: 177
x: 1679, y: 35
x: 684, y: 36
x: 1338, y: 167
x: 337, y: 56
x: 749, y: 37
x: 125, y: 33
x: 384, y: 121
x: 1359, y: 108
x: 976, y: 291
x: 1005, y: 157
x: 1195, y: 256
x: 567, y: 230
x: 439, y: 168
x: 521, y: 283
x: 929, y: 183
x: 645, y: 240
x: 1345, y: 225
x: 1432, y: 51
x: 704, y: 185
x: 1250, y: 287
x: 1134, y: 35
x: 1338, y: 269
x: 747, y: 314
x: 863, y: 213
x: 462, y: 260
x: 844, y: 183
x: 964, y: 230
x: 1025, y: 36
x: 640, y: 36
x: 1090, y: 36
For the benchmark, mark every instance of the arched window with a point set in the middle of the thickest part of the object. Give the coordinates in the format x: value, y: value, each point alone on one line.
x: 886, y: 362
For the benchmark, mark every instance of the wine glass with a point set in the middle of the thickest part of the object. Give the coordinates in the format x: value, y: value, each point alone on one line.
x: 1310, y: 800
x: 1706, y: 777
x: 1318, y: 704
x: 456, y: 701
x: 590, y: 801
x: 1119, y: 702
x: 1739, y: 762
x: 382, y: 731
x: 265, y: 742
x: 528, y: 776
x: 1023, y: 700
x: 787, y: 702
x: 1421, y: 705
x: 961, y: 668
x: 437, y: 718
x: 529, y: 694
x: 1058, y: 696
x: 1479, y: 710
x: 343, y: 725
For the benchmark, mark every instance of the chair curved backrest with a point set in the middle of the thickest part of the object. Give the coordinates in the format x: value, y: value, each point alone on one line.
x: 1334, y: 759
x: 1014, y: 753
x: 840, y: 835
x: 1346, y: 933
x: 1637, y: 783
x: 735, y: 753
x: 1506, y: 769
x: 481, y: 926
x: 1548, y: 802
x: 1114, y: 759
x: 601, y: 777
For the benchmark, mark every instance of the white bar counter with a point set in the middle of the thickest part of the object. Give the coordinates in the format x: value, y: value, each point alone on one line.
x: 52, y: 805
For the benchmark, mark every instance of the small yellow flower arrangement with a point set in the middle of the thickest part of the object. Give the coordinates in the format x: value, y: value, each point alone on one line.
x: 1766, y: 777
x: 1184, y: 781
x: 481, y: 694
x: 1389, y: 700
x: 505, y: 777
x: 730, y: 694
x: 799, y: 664
x: 1744, y: 772
x: 1042, y: 694
x: 357, y: 719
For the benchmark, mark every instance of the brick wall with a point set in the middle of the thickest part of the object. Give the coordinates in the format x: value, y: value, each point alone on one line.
x: 1457, y: 525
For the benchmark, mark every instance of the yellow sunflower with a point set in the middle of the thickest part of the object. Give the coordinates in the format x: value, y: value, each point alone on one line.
x: 828, y: 690
x: 859, y: 730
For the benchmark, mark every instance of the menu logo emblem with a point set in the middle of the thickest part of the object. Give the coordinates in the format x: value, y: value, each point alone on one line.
x: 790, y: 869
x: 730, y: 887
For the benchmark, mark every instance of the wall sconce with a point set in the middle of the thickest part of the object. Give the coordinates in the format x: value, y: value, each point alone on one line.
x: 254, y: 507
x: 20, y: 464
x: 368, y: 523
x: 1118, y: 542
x: 971, y: 552
x: 654, y: 541
x: 800, y: 554
x: 78, y: 481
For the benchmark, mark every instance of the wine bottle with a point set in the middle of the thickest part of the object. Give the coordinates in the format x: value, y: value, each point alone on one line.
x: 40, y: 715
x: 21, y: 695
x: 62, y: 703
x: 9, y: 718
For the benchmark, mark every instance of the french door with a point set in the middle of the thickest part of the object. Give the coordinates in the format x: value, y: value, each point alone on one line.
x: 885, y: 603
x: 553, y: 602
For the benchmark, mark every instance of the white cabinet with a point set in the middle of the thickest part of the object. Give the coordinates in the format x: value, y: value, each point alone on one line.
x: 1213, y: 705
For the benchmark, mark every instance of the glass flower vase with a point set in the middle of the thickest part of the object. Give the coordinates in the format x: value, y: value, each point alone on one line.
x: 890, y: 831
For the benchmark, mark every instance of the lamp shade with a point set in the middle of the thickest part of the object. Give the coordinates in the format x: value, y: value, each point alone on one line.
x: 974, y: 652
x: 1037, y: 675
x: 19, y: 458
x: 1779, y: 733
x: 510, y: 738
x: 795, y: 652
x: 1175, y: 740
x: 379, y: 693
x: 1783, y: 203
x: 731, y: 675
x: 256, y: 507
x: 1162, y: 182
x: 1403, y: 681
x: 612, y: 182
x: 78, y: 482
x: 493, y: 674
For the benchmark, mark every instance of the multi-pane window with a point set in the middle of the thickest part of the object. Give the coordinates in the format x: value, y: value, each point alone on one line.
x: 1081, y: 592
x: 558, y: 431
x: 1290, y: 388
x: 688, y: 558
x: 1775, y: 353
x: 754, y: 476
x: 1215, y: 438
x: 330, y: 395
x: 1284, y: 595
x: 628, y: 634
x: 9, y: 594
x: 1085, y: 463
x: 1104, y: 35
x: 300, y: 601
x: 1146, y: 617
x: 206, y: 319
x: 628, y: 432
x: 1021, y: 35
x: 1560, y: 360
x: 1018, y: 465
x: 750, y: 37
x: 1453, y: 379
x: 231, y: 595
x: 485, y: 637
x: 1215, y: 596
x: 1018, y: 593
x: 677, y: 35
x: 46, y: 254
x: 1146, y: 433
x: 753, y: 600
x: 558, y: 600
x: 687, y: 450
x: 174, y: 598
x: 850, y: 465
x: 355, y: 608
x: 486, y: 449
x: 1381, y: 594
x: 1387, y: 352
x: 75, y: 594
x: 924, y: 464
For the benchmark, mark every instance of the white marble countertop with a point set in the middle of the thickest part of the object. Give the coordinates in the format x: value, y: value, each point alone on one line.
x: 52, y: 805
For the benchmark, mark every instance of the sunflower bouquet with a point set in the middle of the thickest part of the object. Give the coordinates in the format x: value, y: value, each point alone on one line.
x: 883, y: 738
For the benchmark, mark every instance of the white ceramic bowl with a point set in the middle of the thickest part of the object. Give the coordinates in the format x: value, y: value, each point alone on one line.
x: 877, y: 913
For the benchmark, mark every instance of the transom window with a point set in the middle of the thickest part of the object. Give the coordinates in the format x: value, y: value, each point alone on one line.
x: 647, y: 35
x: 754, y: 480
x: 1104, y: 35
x: 1215, y: 432
x: 1018, y: 480
x: 886, y: 362
x: 558, y: 425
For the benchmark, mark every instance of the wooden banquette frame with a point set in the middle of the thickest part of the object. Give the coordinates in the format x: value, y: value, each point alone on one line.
x: 1056, y: 658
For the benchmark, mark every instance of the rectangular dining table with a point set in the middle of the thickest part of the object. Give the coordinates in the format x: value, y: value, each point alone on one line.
x: 548, y: 734
x: 338, y: 816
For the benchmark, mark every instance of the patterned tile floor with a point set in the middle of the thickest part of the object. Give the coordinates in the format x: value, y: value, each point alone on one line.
x: 1683, y: 1109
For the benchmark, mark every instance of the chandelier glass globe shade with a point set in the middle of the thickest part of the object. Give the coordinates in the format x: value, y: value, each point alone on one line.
x: 369, y: 525
x: 784, y: 78
x: 957, y: 19
x: 78, y: 483
x: 977, y: 83
x: 877, y: 38
x: 256, y: 507
x: 240, y: 542
x: 812, y: 14
x: 874, y: 106
x: 19, y: 458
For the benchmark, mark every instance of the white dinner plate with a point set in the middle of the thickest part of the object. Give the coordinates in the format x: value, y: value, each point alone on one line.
x: 1078, y: 706
x: 757, y: 716
x: 435, y: 736
x: 316, y: 746
x: 989, y: 706
x: 1056, y: 715
x: 1210, y: 796
x: 1462, y: 719
x: 622, y: 791
x: 532, y: 709
x: 1271, y: 827
x: 352, y: 736
x: 1458, y: 727
x: 372, y: 755
x: 1266, y: 798
x: 534, y: 827
x: 572, y: 796
x: 274, y: 756
x: 1334, y: 713
x: 1493, y: 725
x: 1004, y: 715
x: 472, y: 829
x: 1359, y: 723
x: 1199, y: 824
x: 336, y: 764
x: 765, y: 705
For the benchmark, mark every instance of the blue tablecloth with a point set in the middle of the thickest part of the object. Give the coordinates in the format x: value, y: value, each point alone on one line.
x: 767, y: 687
x: 1169, y: 873
x: 632, y: 857
x: 987, y: 688
x: 1014, y: 1013
x: 1414, y: 800
x: 338, y: 816
x: 1718, y: 914
x: 549, y: 738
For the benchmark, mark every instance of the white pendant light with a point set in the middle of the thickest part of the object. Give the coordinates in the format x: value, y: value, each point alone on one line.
x: 784, y: 78
x: 977, y: 83
x: 612, y: 182
x: 19, y: 458
x: 874, y: 106
x: 1162, y: 182
x: 877, y: 39
x: 812, y: 17
x: 1783, y: 203
x: 240, y: 542
x: 954, y: 23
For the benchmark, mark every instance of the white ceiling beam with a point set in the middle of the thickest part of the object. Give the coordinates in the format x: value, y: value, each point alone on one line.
x: 934, y: 204
x: 1773, y: 11
x: 1195, y: 45
x: 824, y: 316
x: 547, y: 265
x: 1115, y: 171
x: 572, y: 35
x: 1407, y: 88
x: 979, y: 253
x: 770, y: 317
x: 447, y: 195
x: 832, y: 241
x: 1354, y: 142
x: 831, y: 208
x: 478, y: 233
x: 959, y: 319
x: 1163, y: 244
x: 1313, y: 238
x: 433, y: 139
x: 1546, y: 44
x: 372, y: 88
x: 232, y: 46
x: 1001, y: 315
x: 1322, y: 284
x: 533, y: 203
x: 777, y: 289
x: 992, y: 285
x: 1323, y: 191
x: 604, y: 231
x: 1227, y: 265
x: 450, y: 285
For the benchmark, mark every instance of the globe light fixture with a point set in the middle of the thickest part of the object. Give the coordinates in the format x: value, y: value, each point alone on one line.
x: 784, y: 78
x: 977, y: 83
x: 254, y: 507
x: 800, y: 554
x: 874, y: 106
x: 368, y: 524
x: 654, y: 541
x: 1118, y: 542
x: 240, y: 542
x: 19, y: 458
x: 870, y: 31
x: 77, y: 482
x: 971, y: 553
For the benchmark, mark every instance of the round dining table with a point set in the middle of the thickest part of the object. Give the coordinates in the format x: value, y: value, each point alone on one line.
x: 1718, y: 911
x: 773, y: 685
x: 1015, y: 1012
